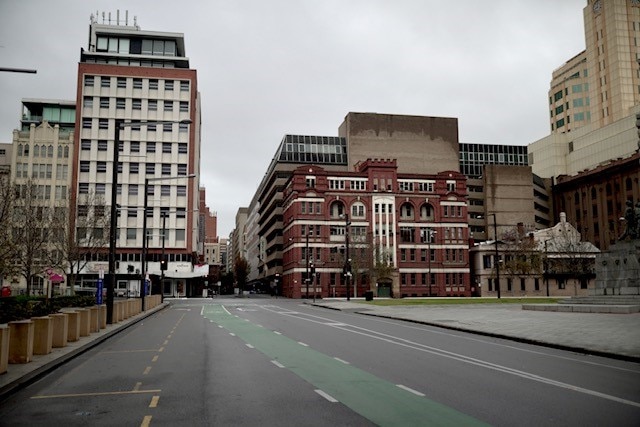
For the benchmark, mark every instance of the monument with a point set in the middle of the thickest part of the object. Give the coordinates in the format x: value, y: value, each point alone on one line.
x: 618, y: 269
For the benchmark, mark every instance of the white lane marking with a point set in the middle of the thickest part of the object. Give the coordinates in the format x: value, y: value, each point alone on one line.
x: 249, y: 345
x: 277, y: 333
x: 326, y: 396
x: 278, y: 364
x: 467, y: 359
x: 410, y: 390
x: 232, y: 334
x: 202, y: 311
x: 341, y: 361
x: 303, y: 344
x: 220, y: 326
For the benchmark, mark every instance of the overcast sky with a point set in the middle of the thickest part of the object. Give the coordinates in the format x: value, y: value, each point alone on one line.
x: 267, y: 68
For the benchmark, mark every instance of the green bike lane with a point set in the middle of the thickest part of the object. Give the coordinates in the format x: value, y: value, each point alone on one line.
x: 378, y: 400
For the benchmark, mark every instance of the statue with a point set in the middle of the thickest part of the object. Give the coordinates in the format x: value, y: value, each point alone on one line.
x: 631, y: 216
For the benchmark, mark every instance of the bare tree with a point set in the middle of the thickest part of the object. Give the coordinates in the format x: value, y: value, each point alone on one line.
x: 73, y: 247
x: 568, y: 257
x: 31, y: 230
x: 7, y: 244
x: 521, y: 255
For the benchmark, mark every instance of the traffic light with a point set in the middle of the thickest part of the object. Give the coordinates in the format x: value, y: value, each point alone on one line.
x: 163, y: 263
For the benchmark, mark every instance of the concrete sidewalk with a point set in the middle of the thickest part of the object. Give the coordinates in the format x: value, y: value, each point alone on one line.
x: 20, y: 375
x: 602, y: 334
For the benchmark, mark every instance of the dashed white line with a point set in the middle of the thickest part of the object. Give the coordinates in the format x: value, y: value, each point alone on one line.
x: 326, y: 396
x: 278, y: 364
x: 341, y: 361
x: 232, y: 334
x: 303, y: 344
x: 249, y: 345
x: 410, y: 390
x: 277, y: 333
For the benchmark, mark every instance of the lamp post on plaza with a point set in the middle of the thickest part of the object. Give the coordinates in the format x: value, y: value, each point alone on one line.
x: 144, y: 228
x: 120, y: 124
x: 347, y: 260
x: 496, y: 254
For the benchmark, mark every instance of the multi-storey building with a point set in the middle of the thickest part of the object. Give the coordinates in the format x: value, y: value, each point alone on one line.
x: 392, y: 233
x: 419, y: 145
x: 135, y: 87
x: 41, y: 156
x: 499, y: 181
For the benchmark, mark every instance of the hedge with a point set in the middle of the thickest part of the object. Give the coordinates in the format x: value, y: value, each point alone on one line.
x: 24, y: 307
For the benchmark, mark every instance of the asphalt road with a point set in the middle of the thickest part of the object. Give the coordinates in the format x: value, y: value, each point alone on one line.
x: 279, y: 362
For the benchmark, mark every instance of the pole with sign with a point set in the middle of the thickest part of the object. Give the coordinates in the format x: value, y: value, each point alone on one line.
x: 100, y: 287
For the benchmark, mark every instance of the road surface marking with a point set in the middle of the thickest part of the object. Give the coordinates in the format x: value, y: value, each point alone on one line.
x: 155, y: 358
x: 165, y: 342
x: 232, y: 334
x: 161, y: 349
x: 104, y: 393
x: 341, y: 361
x: 303, y: 344
x: 410, y: 390
x: 326, y: 396
x: 249, y: 345
x: 147, y: 370
x: 154, y: 401
x: 146, y: 421
x: 137, y: 387
x: 277, y: 333
x: 278, y: 364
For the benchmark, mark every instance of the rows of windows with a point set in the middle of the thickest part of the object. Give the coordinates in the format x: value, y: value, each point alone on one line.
x: 136, y: 104
x: 41, y: 151
x: 136, y: 83
x: 136, y: 125
x: 451, y: 279
x: 134, y: 146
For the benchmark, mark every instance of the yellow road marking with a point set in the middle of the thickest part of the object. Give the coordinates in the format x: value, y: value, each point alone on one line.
x: 155, y: 358
x: 128, y: 351
x: 161, y: 349
x: 106, y: 393
x: 146, y: 421
x: 146, y: 371
x: 137, y: 387
x: 154, y: 401
x: 165, y: 342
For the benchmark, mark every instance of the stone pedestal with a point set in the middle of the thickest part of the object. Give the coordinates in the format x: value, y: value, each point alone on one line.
x: 85, y: 322
x: 21, y: 341
x: 618, y: 269
x: 95, y: 319
x: 42, y: 335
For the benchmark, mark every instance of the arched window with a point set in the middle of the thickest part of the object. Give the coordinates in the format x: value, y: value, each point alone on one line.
x: 406, y: 211
x: 358, y: 210
x: 336, y: 209
x: 20, y: 149
x: 66, y: 152
x: 59, y: 151
x: 50, y: 151
x: 426, y: 212
x: 36, y: 150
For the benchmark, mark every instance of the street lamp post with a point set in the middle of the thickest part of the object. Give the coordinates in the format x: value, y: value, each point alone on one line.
x: 144, y: 228
x: 307, y: 279
x: 347, y: 260
x: 119, y: 125
x: 496, y: 254
x: 430, y: 234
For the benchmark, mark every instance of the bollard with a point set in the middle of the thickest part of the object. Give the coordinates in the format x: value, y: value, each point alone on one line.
x: 95, y: 319
x: 42, y: 335
x: 85, y: 322
x: 60, y: 329
x: 21, y: 341
x: 4, y: 348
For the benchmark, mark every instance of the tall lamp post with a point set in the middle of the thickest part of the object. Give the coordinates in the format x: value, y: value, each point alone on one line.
x: 307, y: 279
x: 120, y: 124
x: 430, y: 234
x: 496, y: 254
x: 144, y: 228
x: 347, y: 259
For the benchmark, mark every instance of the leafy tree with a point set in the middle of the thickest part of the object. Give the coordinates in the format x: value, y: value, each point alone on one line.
x: 521, y: 255
x: 241, y: 270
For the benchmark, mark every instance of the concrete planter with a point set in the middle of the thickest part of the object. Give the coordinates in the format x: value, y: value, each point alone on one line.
x: 60, y: 329
x: 85, y: 321
x: 42, y: 335
x: 73, y: 325
x: 94, y: 325
x: 21, y: 341
x: 103, y: 316
x: 4, y: 348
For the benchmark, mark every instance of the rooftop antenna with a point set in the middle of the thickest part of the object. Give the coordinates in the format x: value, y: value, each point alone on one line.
x: 135, y: 22
x: 126, y: 18
x: 103, y: 17
x: 109, y: 18
x: 117, y: 16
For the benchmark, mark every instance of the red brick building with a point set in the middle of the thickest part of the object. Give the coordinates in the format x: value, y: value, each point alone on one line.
x: 398, y: 234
